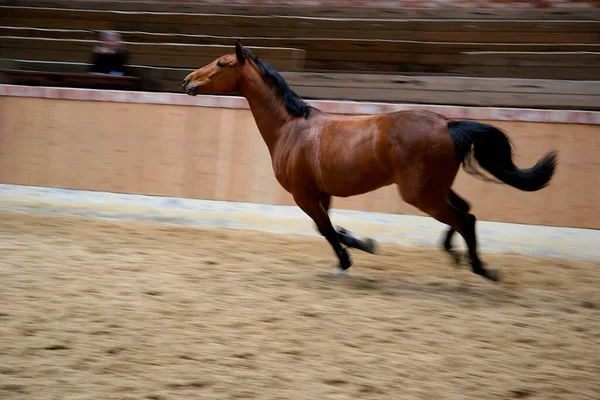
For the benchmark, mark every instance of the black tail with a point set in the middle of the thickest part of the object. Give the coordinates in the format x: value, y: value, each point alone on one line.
x: 492, y: 150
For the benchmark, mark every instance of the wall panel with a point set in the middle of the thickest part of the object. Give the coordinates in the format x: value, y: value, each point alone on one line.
x: 217, y: 153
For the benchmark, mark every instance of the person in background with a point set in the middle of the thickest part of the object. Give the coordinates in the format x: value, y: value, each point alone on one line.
x: 110, y: 57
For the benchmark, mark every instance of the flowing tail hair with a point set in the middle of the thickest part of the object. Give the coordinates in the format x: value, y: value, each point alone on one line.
x: 488, y: 146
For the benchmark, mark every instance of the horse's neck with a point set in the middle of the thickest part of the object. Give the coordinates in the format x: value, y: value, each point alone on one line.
x: 267, y: 108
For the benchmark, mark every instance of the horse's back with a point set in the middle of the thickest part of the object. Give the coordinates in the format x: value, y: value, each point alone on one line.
x: 350, y: 155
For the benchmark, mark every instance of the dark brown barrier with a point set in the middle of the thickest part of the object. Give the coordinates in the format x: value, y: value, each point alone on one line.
x: 340, y: 11
x: 499, y: 92
x: 71, y: 79
x: 151, y: 54
x: 580, y: 65
x: 478, y: 31
x: 376, y: 56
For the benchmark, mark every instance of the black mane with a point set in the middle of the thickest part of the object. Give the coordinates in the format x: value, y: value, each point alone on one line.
x: 293, y: 103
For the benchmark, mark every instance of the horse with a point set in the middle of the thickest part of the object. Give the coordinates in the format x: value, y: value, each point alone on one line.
x: 316, y: 155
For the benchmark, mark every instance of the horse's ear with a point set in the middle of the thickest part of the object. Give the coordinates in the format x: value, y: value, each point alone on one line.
x: 239, y: 52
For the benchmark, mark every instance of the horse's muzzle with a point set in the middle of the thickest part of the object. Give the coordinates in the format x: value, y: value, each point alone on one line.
x: 188, y: 88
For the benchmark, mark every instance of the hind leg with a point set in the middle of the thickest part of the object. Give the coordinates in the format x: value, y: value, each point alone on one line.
x: 464, y: 223
x: 461, y: 204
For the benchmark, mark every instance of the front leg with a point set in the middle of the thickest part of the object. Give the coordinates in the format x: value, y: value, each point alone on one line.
x: 365, y: 244
x: 314, y: 209
x: 345, y: 237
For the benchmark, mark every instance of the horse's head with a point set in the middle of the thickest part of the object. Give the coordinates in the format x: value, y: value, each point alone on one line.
x: 219, y: 77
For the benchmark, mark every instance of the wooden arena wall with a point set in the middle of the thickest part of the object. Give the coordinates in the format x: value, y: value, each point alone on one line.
x: 208, y: 147
x: 371, y: 4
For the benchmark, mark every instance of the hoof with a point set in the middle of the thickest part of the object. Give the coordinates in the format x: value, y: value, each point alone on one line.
x: 455, y: 255
x: 338, y: 272
x: 370, y: 246
x: 493, y: 274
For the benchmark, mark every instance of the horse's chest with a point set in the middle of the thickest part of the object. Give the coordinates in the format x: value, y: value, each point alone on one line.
x: 281, y: 170
x: 290, y: 164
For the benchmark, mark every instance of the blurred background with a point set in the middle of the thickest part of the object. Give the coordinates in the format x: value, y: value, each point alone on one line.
x: 398, y: 51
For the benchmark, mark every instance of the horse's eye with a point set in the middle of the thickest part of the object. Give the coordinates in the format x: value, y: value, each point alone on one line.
x: 219, y: 64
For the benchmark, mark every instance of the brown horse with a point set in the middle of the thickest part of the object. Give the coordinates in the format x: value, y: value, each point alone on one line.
x: 316, y: 155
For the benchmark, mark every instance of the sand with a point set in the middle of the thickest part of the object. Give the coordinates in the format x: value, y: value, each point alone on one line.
x: 102, y: 309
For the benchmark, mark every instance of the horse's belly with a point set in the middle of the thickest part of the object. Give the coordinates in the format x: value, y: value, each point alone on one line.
x: 354, y: 180
x: 349, y: 163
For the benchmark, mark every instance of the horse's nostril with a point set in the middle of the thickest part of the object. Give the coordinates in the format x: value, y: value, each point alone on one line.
x: 185, y: 81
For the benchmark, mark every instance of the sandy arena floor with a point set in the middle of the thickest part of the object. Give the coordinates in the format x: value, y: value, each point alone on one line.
x: 98, y: 309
